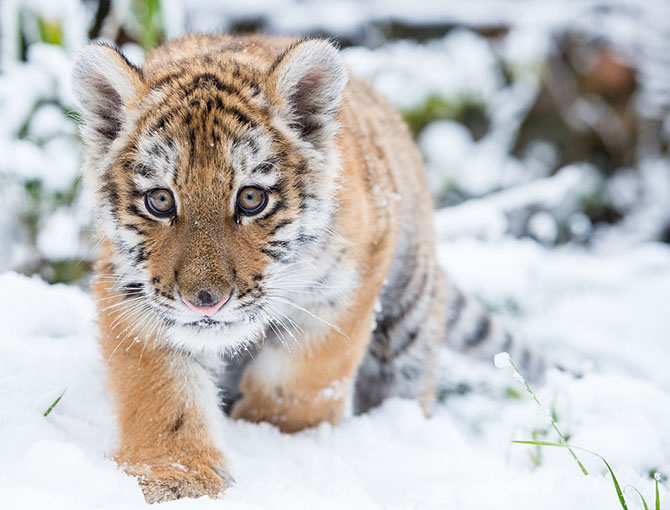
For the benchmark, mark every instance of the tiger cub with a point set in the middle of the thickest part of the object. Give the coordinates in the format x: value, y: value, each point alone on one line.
x: 265, y: 230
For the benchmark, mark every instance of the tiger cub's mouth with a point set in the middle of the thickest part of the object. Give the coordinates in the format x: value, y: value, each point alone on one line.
x: 207, y: 323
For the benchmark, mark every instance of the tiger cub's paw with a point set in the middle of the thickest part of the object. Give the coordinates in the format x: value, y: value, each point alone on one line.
x: 177, y: 481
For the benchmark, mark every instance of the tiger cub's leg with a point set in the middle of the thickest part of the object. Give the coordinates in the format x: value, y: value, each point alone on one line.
x: 300, y: 389
x: 168, y: 415
x: 402, y: 358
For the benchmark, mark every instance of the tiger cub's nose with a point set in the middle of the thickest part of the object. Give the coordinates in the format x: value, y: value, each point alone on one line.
x: 206, y: 298
x: 207, y: 304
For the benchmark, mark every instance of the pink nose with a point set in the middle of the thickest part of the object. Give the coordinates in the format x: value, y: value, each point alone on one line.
x: 205, y: 311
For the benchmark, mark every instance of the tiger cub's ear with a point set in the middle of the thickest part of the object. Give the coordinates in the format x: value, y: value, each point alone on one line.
x: 105, y: 83
x: 309, y: 79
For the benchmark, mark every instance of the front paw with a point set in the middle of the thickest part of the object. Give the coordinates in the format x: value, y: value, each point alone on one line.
x: 177, y: 481
x: 289, y: 414
x: 246, y: 409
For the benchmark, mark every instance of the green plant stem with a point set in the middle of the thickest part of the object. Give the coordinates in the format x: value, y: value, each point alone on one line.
x: 55, y: 403
x: 553, y: 422
x: 644, y: 501
x: 617, y: 487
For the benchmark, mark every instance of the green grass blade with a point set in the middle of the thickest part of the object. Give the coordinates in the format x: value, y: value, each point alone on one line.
x: 658, y: 496
x: 617, y: 487
x: 542, y: 443
x: 619, y: 493
x: 644, y: 501
x: 51, y: 407
x: 553, y: 421
x: 75, y: 116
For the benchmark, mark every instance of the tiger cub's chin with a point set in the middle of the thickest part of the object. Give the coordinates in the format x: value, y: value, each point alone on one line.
x: 213, y: 338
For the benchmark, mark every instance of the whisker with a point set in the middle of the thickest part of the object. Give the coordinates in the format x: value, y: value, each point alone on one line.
x: 118, y: 295
x: 121, y: 342
x: 282, y: 324
x: 279, y: 335
x: 156, y: 322
x: 123, y: 303
x: 296, y: 326
x: 128, y: 313
x: 139, y: 322
x: 311, y: 314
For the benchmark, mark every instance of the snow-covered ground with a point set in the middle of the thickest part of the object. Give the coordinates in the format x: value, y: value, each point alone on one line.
x: 604, y: 314
x: 597, y: 305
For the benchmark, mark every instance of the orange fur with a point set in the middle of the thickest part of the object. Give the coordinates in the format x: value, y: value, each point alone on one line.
x: 167, y: 435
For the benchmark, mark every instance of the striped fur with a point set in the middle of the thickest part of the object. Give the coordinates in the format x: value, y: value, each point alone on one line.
x: 336, y: 299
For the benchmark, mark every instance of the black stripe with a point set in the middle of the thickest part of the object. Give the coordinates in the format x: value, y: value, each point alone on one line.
x: 273, y: 254
x: 507, y: 343
x: 111, y: 192
x: 107, y: 132
x: 526, y: 358
x: 135, y: 211
x: 280, y: 58
x: 241, y: 117
x: 454, y: 313
x: 249, y: 290
x: 278, y: 206
x: 168, y: 77
x: 179, y: 423
x: 480, y: 332
x: 167, y: 295
x: 205, y: 80
x: 410, y: 302
x: 306, y: 238
x: 281, y: 224
x: 145, y: 170
x: 263, y: 168
x: 134, y: 228
x: 302, y: 167
x: 409, y: 340
x: 410, y: 372
x: 383, y: 351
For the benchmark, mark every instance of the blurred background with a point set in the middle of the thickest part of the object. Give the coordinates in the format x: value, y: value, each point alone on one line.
x: 541, y: 120
x: 545, y: 128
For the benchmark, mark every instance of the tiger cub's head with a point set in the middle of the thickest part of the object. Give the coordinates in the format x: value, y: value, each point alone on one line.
x: 213, y: 176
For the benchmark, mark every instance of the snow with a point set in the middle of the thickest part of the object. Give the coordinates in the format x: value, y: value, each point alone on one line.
x: 58, y: 238
x: 599, y: 310
x: 453, y: 159
x: 502, y: 360
x: 603, y: 313
x: 408, y: 72
x: 604, y: 308
x: 542, y: 226
x: 493, y: 216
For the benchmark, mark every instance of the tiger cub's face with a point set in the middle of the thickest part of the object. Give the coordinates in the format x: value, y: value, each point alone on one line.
x: 212, y: 178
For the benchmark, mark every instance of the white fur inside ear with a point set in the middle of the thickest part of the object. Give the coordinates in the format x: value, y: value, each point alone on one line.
x: 311, y: 79
x: 104, y: 84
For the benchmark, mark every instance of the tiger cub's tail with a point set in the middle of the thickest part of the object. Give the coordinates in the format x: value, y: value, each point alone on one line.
x: 471, y: 329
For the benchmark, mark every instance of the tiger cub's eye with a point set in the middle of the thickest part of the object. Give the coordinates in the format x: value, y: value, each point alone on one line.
x: 252, y: 200
x: 159, y: 202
